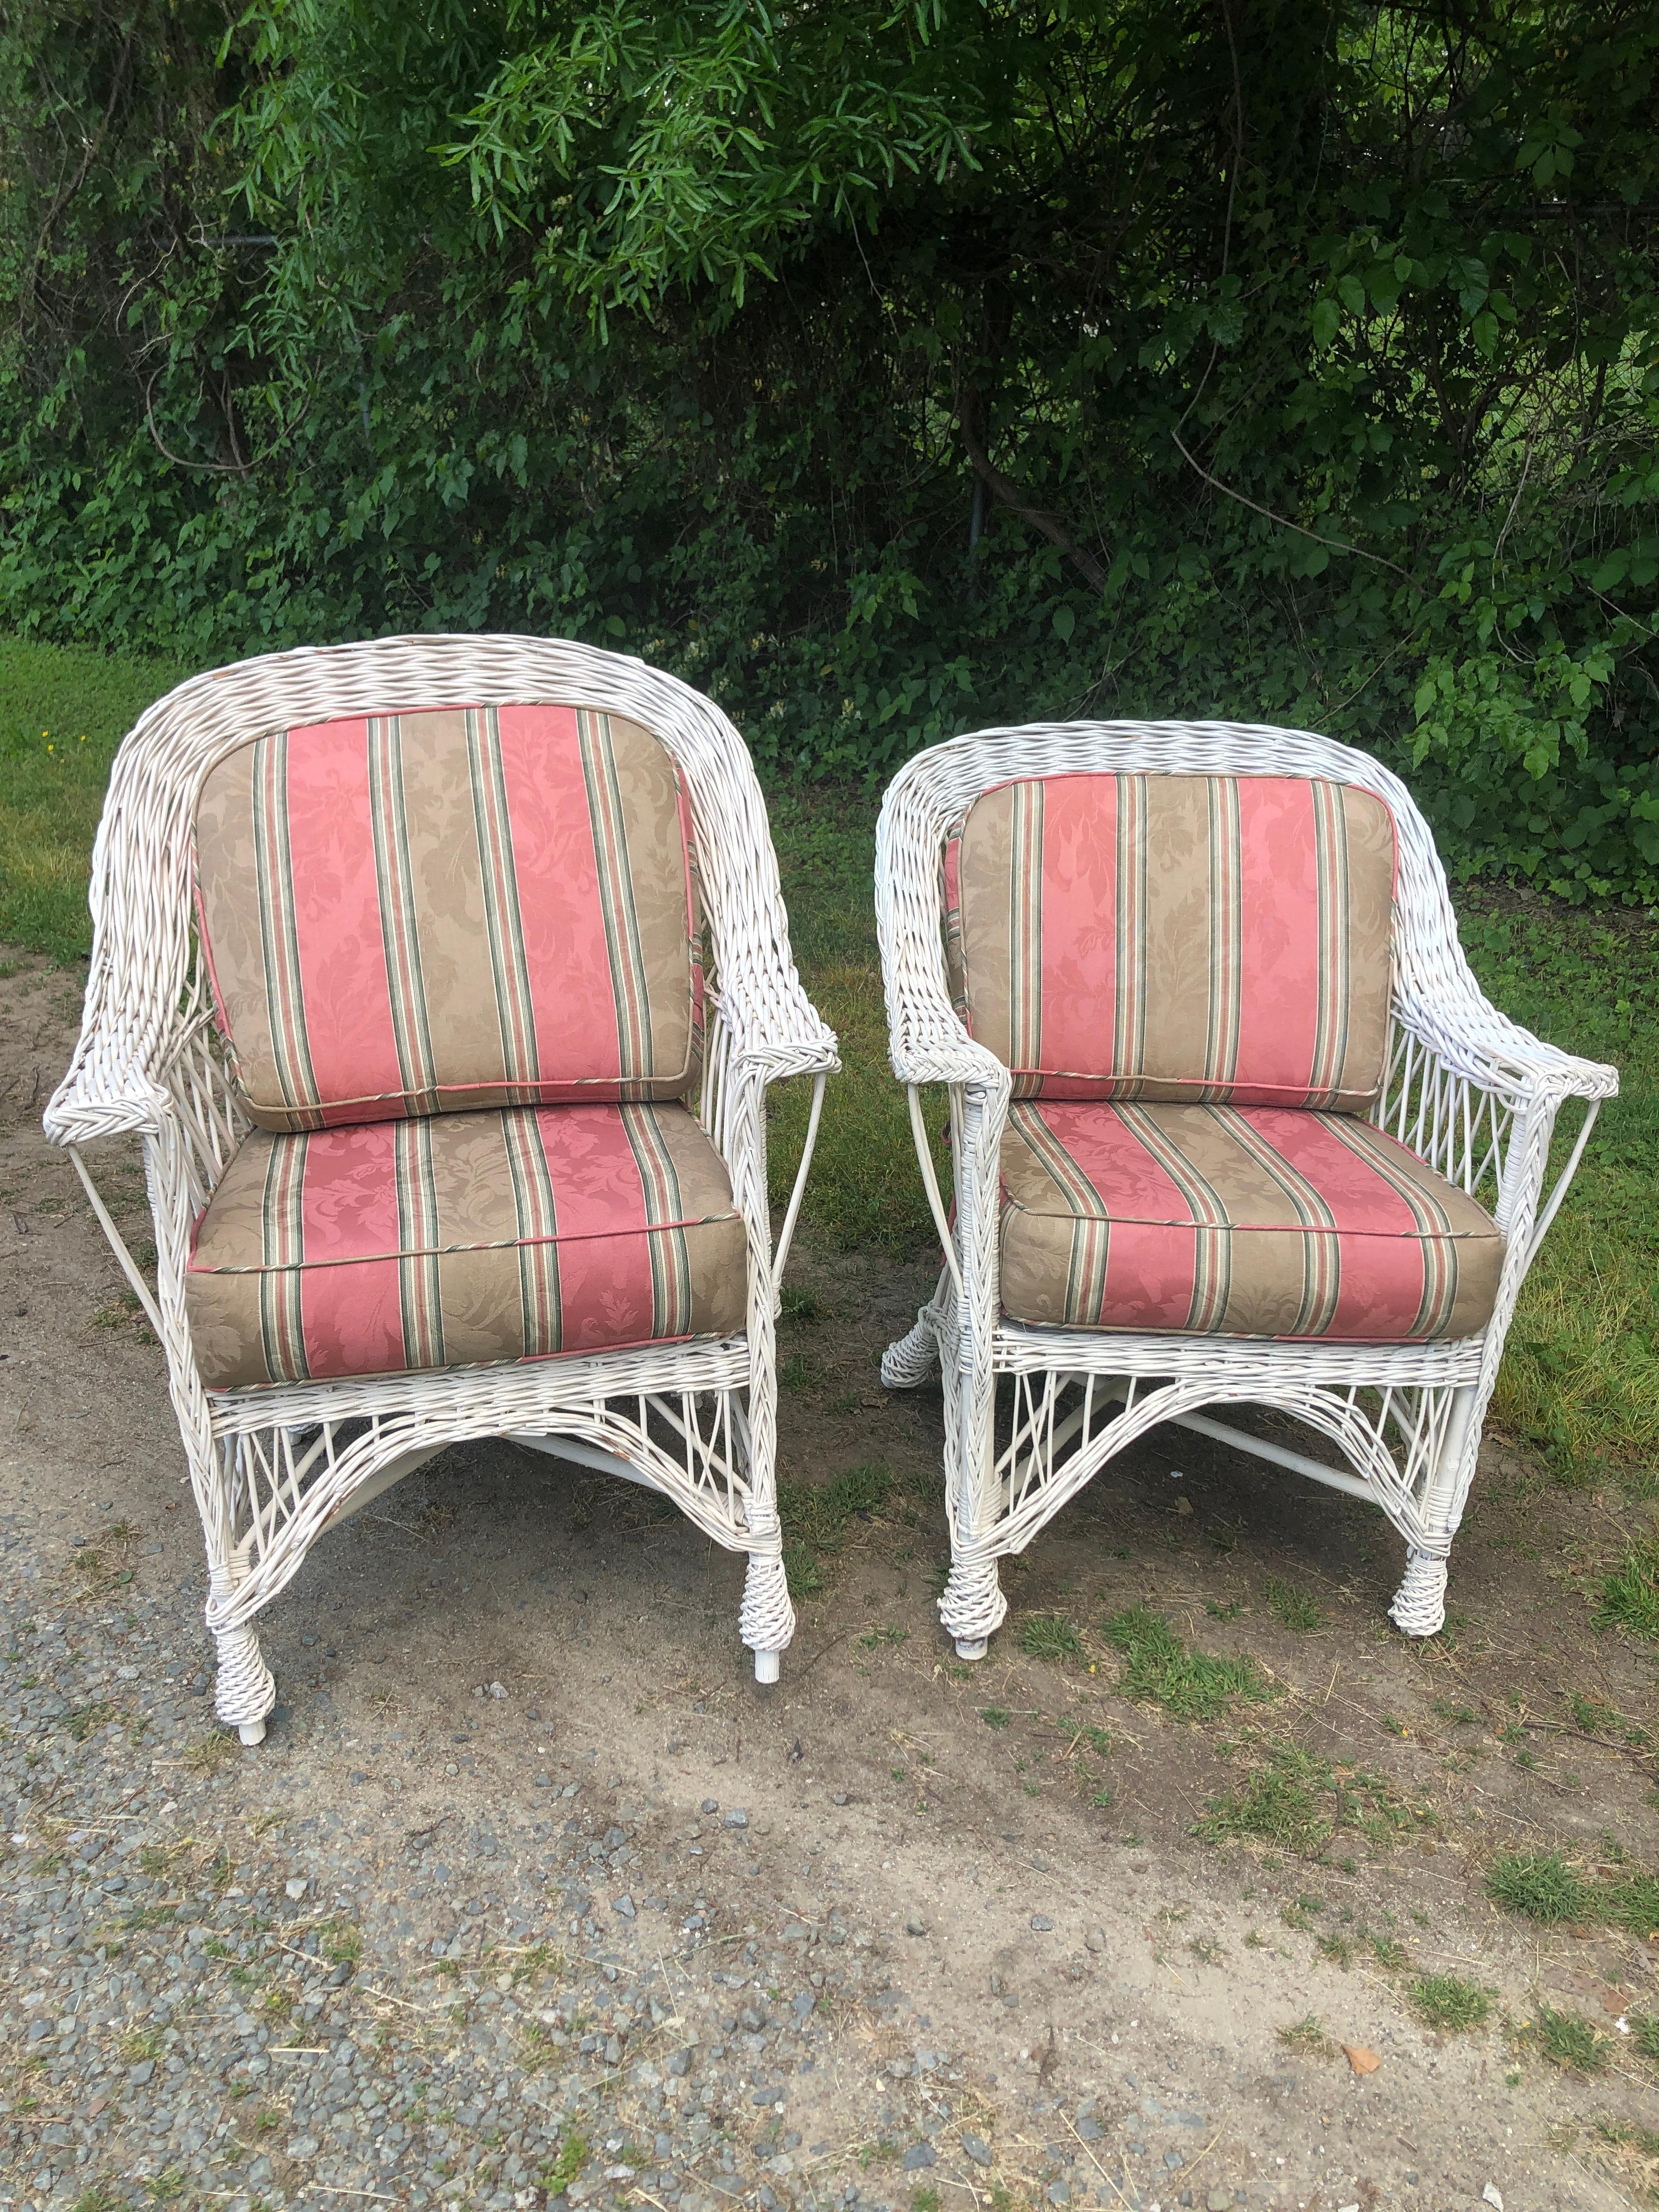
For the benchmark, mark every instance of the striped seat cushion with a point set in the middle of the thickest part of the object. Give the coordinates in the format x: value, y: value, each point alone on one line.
x: 458, y: 1239
x: 1172, y: 937
x: 426, y: 913
x: 1236, y: 1221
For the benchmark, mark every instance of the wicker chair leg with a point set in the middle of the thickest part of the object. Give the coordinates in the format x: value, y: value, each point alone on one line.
x: 1419, y: 1604
x: 768, y: 1620
x: 914, y: 1357
x: 973, y: 1607
x: 245, y: 1690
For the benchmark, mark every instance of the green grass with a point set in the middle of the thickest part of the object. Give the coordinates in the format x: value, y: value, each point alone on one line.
x: 1644, y: 2034
x: 1282, y: 1803
x: 62, y: 711
x: 1308, y: 2036
x: 1454, y: 2006
x: 1191, y: 1684
x: 1299, y: 1613
x: 817, y: 1518
x: 1050, y: 1636
x: 1539, y: 1886
x: 1580, y: 1380
x: 1568, y: 2039
x: 1630, y: 1594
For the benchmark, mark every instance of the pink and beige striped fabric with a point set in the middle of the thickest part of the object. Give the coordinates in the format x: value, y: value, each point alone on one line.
x: 1176, y: 937
x: 460, y: 1239
x: 1222, y: 1220
x: 435, y: 912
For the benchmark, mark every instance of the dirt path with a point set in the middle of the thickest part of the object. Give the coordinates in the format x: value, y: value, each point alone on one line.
x: 967, y: 1933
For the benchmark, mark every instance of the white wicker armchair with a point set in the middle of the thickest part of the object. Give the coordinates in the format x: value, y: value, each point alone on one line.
x: 273, y: 1466
x: 1470, y: 1093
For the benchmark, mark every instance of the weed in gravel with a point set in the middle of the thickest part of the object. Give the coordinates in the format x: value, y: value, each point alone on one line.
x: 142, y: 2043
x: 1644, y: 2034
x: 1050, y: 1636
x: 340, y: 1941
x: 1632, y: 1903
x: 1459, y: 1716
x: 1629, y: 1595
x: 1567, y: 2039
x: 798, y: 1303
x: 1444, y: 2001
x: 1540, y: 1885
x: 211, y: 1753
x: 1388, y: 1951
x: 1278, y: 1804
x: 1337, y: 1949
x: 1308, y: 2036
x: 924, y: 2200
x: 166, y: 2188
x: 81, y: 1721
x: 995, y: 1717
x: 102, y: 2196
x: 1298, y: 1611
x: 1193, y: 1686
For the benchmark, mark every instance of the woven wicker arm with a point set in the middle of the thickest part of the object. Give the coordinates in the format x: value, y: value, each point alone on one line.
x: 1467, y: 1088
x: 272, y: 1468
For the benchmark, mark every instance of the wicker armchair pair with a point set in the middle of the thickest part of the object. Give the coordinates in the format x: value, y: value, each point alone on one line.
x: 443, y: 979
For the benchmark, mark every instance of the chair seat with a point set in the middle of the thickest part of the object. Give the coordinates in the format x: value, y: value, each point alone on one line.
x: 463, y: 1239
x: 1237, y: 1221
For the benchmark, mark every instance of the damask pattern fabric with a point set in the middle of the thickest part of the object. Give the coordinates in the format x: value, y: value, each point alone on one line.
x: 1176, y: 937
x: 437, y: 912
x: 1253, y: 1221
x: 459, y: 1239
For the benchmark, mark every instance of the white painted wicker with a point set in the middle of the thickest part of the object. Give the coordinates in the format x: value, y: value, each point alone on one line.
x: 272, y: 1468
x: 1468, y: 1090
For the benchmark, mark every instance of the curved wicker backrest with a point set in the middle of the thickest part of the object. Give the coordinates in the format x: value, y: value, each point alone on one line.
x: 931, y: 792
x: 142, y: 977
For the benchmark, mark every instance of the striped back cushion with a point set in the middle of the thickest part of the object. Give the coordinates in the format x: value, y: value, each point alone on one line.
x: 1176, y: 937
x: 439, y: 912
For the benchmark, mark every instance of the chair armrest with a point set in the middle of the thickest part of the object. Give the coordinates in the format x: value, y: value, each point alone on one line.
x: 104, y: 1094
x: 1462, y: 1029
x: 777, y: 1033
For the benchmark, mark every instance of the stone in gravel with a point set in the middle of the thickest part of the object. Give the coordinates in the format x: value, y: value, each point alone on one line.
x: 736, y: 1818
x: 1058, y: 2193
x: 710, y: 1805
x: 1040, y: 1922
x: 303, y: 2147
x: 297, y: 1887
x: 840, y: 1797
x: 1218, y: 2200
x: 766, y: 2097
x: 917, y: 2156
x: 625, y: 1906
x: 915, y: 1925
x: 1096, y: 1939
x: 137, y: 2074
x: 977, y: 2148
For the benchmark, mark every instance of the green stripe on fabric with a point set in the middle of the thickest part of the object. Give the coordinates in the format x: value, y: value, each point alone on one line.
x: 510, y: 964
x: 279, y: 940
x: 1335, y: 986
x: 1437, y: 1239
x: 540, y: 1300
x: 1089, y: 1246
x: 394, y: 877
x: 282, y: 1237
x: 659, y: 1185
x: 1226, y: 859
x: 420, y: 1291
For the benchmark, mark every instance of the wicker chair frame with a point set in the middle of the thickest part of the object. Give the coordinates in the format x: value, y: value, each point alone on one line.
x: 272, y: 1468
x: 1465, y: 1088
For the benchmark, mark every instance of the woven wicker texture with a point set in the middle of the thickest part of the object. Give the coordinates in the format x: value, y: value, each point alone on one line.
x: 1467, y: 1090
x: 271, y: 1468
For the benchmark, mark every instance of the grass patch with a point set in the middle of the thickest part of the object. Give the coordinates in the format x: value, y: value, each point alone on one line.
x: 1193, y: 1686
x: 1299, y: 1612
x: 1567, y: 2039
x: 1454, y: 2006
x: 84, y: 1719
x: 1281, y: 1803
x: 1539, y: 1886
x: 1050, y: 1636
x: 817, y: 1517
x: 1629, y: 1597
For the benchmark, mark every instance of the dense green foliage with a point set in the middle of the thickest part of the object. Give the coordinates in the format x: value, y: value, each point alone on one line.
x: 886, y: 369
